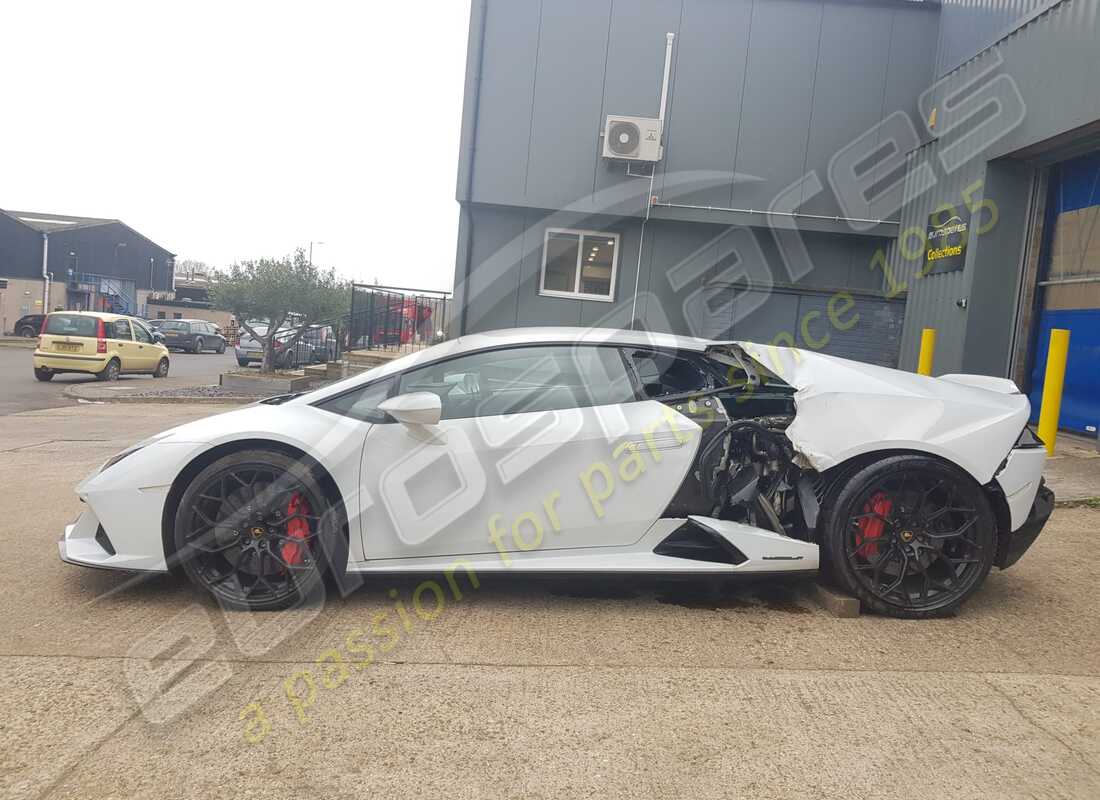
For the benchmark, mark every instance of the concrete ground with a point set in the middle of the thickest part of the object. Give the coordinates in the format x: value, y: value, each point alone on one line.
x: 22, y: 392
x: 550, y: 688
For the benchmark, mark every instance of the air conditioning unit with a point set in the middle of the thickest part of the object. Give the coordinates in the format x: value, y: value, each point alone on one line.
x: 632, y: 138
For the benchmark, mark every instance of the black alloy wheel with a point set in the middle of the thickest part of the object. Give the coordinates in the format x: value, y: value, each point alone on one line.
x: 910, y: 536
x: 256, y: 530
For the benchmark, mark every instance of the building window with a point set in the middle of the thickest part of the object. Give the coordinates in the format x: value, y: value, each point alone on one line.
x: 161, y: 315
x: 580, y: 264
x: 177, y: 315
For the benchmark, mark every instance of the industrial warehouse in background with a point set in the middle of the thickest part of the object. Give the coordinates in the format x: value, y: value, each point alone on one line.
x: 831, y: 174
x: 50, y: 261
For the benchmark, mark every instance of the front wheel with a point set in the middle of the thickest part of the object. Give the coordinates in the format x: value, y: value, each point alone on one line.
x: 109, y: 372
x: 162, y: 369
x: 27, y: 332
x: 256, y: 530
x: 242, y: 362
x: 911, y: 536
x: 221, y: 347
x: 198, y: 345
x: 43, y: 374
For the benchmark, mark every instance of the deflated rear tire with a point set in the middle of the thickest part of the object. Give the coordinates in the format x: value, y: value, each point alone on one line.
x: 256, y: 530
x: 909, y: 535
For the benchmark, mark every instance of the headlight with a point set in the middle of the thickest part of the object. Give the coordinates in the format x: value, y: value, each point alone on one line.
x: 129, y: 451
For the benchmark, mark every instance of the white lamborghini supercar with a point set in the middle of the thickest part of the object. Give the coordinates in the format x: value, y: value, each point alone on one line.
x: 562, y: 450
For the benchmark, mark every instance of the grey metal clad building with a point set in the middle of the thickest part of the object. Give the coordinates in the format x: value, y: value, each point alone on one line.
x: 836, y: 174
x: 93, y: 264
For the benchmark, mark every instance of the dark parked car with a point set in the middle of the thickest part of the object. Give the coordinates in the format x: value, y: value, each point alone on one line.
x: 28, y: 326
x: 192, y: 335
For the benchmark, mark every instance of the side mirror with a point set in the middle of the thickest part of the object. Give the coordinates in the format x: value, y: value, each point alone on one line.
x: 414, y: 408
x: 158, y: 337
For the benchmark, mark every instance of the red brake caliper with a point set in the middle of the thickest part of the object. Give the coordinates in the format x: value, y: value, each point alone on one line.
x: 870, y: 528
x: 297, y: 528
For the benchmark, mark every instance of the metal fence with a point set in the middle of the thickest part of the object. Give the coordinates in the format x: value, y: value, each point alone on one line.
x: 395, y: 318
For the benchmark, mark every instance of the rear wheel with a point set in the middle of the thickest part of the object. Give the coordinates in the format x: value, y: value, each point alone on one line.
x: 242, y: 362
x: 221, y: 346
x: 256, y: 530
x: 27, y: 332
x: 910, y: 536
x: 109, y: 372
x: 162, y: 369
x: 43, y: 374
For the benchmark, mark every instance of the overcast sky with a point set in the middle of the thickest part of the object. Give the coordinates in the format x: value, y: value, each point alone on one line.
x: 236, y: 130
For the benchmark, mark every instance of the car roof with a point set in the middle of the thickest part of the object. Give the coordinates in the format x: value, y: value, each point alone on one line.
x: 106, y: 316
x: 576, y: 335
x: 513, y: 337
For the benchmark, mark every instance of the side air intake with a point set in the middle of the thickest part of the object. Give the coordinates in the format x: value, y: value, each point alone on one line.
x: 698, y: 544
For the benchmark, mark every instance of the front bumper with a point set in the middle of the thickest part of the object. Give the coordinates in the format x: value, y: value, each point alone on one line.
x: 85, y: 544
x: 1013, y: 545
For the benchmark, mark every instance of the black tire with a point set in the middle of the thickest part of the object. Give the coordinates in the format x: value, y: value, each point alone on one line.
x: 27, y: 332
x: 909, y: 535
x: 162, y: 369
x: 43, y: 374
x: 232, y: 531
x: 242, y: 362
x: 221, y: 347
x: 198, y: 345
x: 109, y: 372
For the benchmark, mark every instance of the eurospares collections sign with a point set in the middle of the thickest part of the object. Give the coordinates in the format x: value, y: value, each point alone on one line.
x: 948, y: 231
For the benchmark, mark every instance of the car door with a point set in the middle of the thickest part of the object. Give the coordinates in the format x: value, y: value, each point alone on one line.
x: 149, y: 354
x: 122, y: 342
x: 538, y: 447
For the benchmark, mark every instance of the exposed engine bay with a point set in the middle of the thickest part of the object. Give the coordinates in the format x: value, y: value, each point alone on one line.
x: 746, y: 469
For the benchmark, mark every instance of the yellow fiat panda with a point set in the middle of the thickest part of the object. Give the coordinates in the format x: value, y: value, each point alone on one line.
x: 100, y: 344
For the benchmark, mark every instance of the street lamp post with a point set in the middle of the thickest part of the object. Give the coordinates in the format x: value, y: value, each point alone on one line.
x: 311, y: 251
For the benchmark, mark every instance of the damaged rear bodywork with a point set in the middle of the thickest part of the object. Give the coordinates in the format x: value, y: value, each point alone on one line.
x: 791, y: 423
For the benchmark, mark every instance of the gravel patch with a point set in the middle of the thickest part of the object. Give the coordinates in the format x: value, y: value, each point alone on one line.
x: 212, y: 391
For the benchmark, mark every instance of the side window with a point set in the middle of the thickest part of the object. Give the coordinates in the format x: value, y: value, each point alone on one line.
x: 120, y: 329
x: 141, y: 333
x: 523, y: 380
x: 661, y: 373
x: 361, y: 403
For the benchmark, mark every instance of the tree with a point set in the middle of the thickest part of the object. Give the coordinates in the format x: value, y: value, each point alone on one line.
x: 190, y: 267
x: 284, y: 297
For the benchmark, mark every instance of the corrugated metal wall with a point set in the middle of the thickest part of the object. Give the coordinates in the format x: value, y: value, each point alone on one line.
x: 968, y: 26
x: 931, y: 298
x: 1054, y: 83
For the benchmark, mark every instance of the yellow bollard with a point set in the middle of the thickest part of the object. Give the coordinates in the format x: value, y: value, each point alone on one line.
x: 927, y: 351
x: 1053, y: 381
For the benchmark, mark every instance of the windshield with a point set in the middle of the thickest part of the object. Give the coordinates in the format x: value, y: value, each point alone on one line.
x: 72, y: 325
